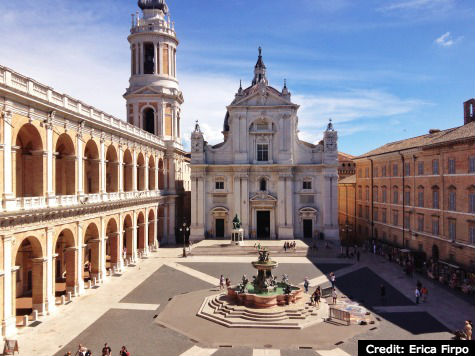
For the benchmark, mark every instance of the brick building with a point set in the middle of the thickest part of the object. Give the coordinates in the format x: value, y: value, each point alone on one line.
x: 346, y: 166
x: 418, y: 194
x: 346, y: 211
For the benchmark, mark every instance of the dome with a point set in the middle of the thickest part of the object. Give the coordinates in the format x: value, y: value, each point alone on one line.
x: 153, y: 5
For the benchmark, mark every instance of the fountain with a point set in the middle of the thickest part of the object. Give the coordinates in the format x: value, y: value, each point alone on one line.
x: 264, y: 291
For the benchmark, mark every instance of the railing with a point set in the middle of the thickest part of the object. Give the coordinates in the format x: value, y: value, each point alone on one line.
x: 340, y: 315
x: 66, y: 200
x: 30, y: 202
x: 33, y: 88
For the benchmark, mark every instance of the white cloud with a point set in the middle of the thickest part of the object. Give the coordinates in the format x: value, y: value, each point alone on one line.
x: 411, y: 5
x: 446, y: 40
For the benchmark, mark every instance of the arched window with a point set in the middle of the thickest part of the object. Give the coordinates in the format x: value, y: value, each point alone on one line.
x: 148, y: 120
x: 263, y: 185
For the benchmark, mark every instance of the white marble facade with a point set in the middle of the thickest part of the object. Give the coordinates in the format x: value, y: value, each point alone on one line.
x: 280, y: 186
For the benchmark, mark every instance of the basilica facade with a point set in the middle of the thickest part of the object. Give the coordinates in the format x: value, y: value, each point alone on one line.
x: 85, y: 194
x: 279, y: 186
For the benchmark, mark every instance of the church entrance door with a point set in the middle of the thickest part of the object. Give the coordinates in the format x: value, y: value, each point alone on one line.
x: 307, y: 228
x: 219, y: 228
x: 263, y: 224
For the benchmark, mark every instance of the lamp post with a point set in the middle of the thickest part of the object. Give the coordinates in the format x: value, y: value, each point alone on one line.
x: 347, y: 228
x: 184, y: 229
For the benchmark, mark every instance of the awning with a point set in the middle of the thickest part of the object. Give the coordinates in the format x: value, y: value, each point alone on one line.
x: 449, y: 264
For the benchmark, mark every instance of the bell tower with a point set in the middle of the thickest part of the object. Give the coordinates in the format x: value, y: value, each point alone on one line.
x: 153, y: 96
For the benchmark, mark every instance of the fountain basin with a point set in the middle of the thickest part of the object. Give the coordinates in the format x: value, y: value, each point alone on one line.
x: 265, y: 300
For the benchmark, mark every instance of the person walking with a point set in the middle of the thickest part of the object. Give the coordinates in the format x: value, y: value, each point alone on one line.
x: 81, y: 351
x: 306, y: 284
x: 468, y: 329
x: 221, y: 282
x: 424, y: 293
x: 417, y: 293
x: 124, y: 352
x: 285, y: 246
x: 316, y: 296
x: 334, y: 296
x: 358, y: 256
x: 106, y: 350
x: 228, y: 282
x: 332, y: 279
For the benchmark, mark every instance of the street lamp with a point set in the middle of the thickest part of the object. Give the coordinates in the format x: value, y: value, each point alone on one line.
x: 184, y: 229
x: 347, y: 228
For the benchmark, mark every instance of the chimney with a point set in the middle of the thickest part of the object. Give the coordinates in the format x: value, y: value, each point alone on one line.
x: 468, y: 111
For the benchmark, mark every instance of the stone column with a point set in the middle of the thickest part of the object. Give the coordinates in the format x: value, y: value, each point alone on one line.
x: 281, y: 201
x: 9, y: 321
x: 80, y: 265
x: 237, y: 196
x: 156, y: 172
x: 145, y: 248
x: 102, y: 251
x: 134, y: 237
x: 171, y: 172
x: 140, y: 50
x: 146, y: 169
x: 134, y: 170
x: 121, y: 242
x: 121, y: 170
x: 160, y: 62
x: 289, y: 200
x: 155, y: 229
x: 171, y: 221
x: 70, y: 257
x: 80, y: 170
x: 155, y: 53
x: 39, y: 272
x: 9, y: 202
x: 102, y: 167
x: 137, y: 59
x: 50, y: 276
x: 244, y: 201
x: 50, y: 194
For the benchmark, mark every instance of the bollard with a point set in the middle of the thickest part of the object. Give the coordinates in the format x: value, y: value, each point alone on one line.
x: 70, y: 296
x: 25, y: 320
x: 63, y: 300
x: 34, y: 315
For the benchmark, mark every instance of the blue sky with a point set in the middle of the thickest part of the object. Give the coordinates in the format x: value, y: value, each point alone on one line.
x: 382, y: 70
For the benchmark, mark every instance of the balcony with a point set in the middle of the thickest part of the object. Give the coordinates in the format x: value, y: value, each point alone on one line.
x: 27, y: 203
x: 66, y: 200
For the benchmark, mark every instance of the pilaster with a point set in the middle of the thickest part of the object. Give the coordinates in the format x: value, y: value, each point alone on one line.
x: 50, y: 194
x: 9, y: 321
x: 8, y: 197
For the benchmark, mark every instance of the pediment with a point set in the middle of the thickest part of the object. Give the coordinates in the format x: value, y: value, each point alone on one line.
x: 147, y: 90
x: 261, y: 96
x: 263, y: 196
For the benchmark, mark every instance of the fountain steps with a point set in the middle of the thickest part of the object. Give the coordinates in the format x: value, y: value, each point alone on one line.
x: 219, y: 310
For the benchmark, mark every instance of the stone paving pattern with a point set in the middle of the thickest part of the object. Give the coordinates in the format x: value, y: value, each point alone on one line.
x: 147, y: 289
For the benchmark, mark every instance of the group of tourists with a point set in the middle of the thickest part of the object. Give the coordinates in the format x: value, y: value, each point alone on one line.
x: 224, y: 282
x: 315, y: 297
x: 106, y: 351
x: 421, y: 292
x: 290, y: 246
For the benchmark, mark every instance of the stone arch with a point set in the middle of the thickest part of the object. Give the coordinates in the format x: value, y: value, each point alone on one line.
x: 65, y: 264
x: 128, y: 167
x: 128, y: 237
x: 91, y: 255
x: 113, y: 250
x: 65, y: 166
x: 112, y: 170
x: 29, y: 291
x: 91, y: 168
x: 151, y: 228
x: 141, y: 238
x: 29, y: 158
x: 151, y: 173
x: 140, y: 172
